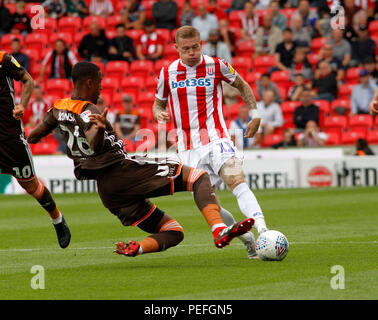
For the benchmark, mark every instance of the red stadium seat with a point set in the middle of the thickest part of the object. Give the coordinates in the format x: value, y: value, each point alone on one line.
x: 335, y: 123
x: 352, y: 76
x: 51, y: 26
x: 345, y: 90
x: 151, y: 83
x: 70, y: 24
x: 45, y: 148
x: 373, y: 27
x: 272, y: 139
x: 361, y: 122
x: 110, y: 33
x: 134, y: 33
x: 318, y: 43
x: 372, y: 137
x: 283, y: 92
x: 252, y: 77
x: 141, y: 68
x: 332, y: 139
x: 313, y: 58
x: 281, y: 78
x: 146, y: 100
x: 242, y: 65
x: 129, y: 145
x: 117, y: 69
x: 110, y: 85
x: 264, y: 63
x: 117, y: 99
x: 165, y: 34
x: 246, y: 48
x: 36, y: 41
x: 350, y: 137
x: 159, y: 64
x: 65, y: 36
x: 113, y: 21
x: 170, y: 53
x: 100, y: 65
x: 235, y: 17
x: 338, y: 105
x: 224, y: 4
x: 323, y: 105
x: 288, y: 12
x: 6, y: 41
x: 289, y: 106
x: 132, y: 85
x: 89, y: 19
x: 58, y: 87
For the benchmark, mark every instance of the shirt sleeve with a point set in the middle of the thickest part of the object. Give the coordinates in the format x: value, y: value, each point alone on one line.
x: 13, y: 68
x: 84, y: 121
x: 162, y: 90
x: 228, y: 73
x: 49, y: 119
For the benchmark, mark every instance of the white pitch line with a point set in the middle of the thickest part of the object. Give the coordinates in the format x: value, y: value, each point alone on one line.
x: 187, y: 245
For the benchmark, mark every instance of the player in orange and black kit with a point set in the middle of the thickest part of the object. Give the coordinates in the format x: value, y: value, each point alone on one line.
x: 126, y: 182
x: 15, y: 155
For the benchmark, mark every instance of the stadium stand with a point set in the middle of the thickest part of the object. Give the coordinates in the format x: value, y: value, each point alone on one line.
x: 139, y: 78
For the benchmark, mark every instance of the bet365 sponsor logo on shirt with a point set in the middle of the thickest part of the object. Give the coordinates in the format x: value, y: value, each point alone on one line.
x: 201, y: 82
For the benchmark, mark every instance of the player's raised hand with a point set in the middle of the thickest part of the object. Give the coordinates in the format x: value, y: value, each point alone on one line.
x: 18, y: 112
x: 252, y: 128
x: 163, y: 117
x: 99, y: 120
x: 373, y: 108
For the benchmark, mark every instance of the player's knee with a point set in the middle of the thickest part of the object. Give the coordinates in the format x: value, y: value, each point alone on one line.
x: 232, y: 173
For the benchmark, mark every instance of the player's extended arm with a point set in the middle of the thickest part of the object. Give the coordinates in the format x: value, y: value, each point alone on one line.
x: 160, y: 112
x: 27, y: 91
x: 250, y: 100
x: 95, y: 133
x: 373, y: 107
x: 38, y: 133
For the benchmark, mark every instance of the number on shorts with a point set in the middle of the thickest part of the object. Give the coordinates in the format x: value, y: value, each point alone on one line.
x: 225, y: 147
x: 25, y: 173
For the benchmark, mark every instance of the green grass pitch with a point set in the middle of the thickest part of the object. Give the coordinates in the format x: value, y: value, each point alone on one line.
x: 325, y: 227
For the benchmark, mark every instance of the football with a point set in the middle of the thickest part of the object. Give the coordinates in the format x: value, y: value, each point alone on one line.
x: 272, y: 245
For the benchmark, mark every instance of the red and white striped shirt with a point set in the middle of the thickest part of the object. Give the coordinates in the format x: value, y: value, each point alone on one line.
x: 194, y: 97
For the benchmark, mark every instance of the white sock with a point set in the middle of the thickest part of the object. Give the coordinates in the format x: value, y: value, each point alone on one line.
x: 249, y: 206
x: 217, y: 225
x: 57, y: 220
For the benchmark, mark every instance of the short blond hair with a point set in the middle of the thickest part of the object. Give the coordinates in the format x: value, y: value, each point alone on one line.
x: 186, y: 32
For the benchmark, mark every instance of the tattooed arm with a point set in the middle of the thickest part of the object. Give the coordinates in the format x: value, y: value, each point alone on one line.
x: 160, y: 112
x: 250, y: 100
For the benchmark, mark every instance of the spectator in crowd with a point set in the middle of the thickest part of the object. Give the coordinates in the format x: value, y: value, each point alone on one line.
x: 95, y: 45
x: 204, y: 22
x: 249, y: 22
x: 288, y: 140
x: 214, y: 8
x: 270, y: 111
x: 55, y: 8
x: 311, y: 137
x: 279, y: 19
x: 22, y: 58
x: 362, y: 94
x: 60, y: 61
x: 37, y: 108
x: 326, y: 54
x: 308, y: 17
x: 227, y: 35
x: 362, y: 148
x: 134, y: 14
x: 127, y: 122
x: 121, y: 47
x: 285, y: 50
x: 237, y: 130
x: 264, y: 84
x: 306, y: 111
x: 295, y: 91
x: 150, y: 44
x: 237, y: 5
x: 102, y: 8
x: 342, y: 49
x: 301, y: 65
x: 21, y: 22
x: 353, y: 14
x: 371, y: 66
x: 323, y: 26
x: 6, y: 20
x: 77, y: 8
x: 349, y: 33
x: 216, y: 48
x: 267, y: 37
x: 165, y: 14
x: 301, y: 35
x: 231, y: 95
x: 363, y: 47
x: 187, y: 14
x: 325, y: 82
